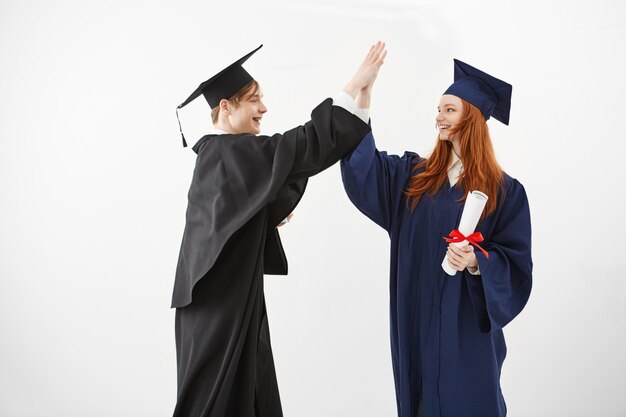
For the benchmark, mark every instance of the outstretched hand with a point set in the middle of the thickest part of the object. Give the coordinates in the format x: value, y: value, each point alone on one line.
x: 365, y: 76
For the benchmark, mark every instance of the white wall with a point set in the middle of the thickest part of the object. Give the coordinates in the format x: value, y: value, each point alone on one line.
x: 94, y: 183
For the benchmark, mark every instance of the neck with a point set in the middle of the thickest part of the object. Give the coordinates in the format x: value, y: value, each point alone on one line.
x: 456, y: 146
x: 223, y: 126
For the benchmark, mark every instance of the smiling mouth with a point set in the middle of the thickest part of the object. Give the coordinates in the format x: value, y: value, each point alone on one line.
x: 257, y: 119
x: 444, y: 127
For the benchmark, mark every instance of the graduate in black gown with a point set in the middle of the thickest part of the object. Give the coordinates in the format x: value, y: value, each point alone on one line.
x: 243, y: 187
x: 446, y: 331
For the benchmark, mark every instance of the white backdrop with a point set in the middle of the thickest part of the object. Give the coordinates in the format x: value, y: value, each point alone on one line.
x: 93, y: 184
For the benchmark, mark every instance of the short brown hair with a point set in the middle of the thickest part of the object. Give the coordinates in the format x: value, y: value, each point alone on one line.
x: 247, y: 90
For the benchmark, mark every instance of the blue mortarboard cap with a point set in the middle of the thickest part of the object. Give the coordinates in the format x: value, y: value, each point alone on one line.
x: 489, y: 94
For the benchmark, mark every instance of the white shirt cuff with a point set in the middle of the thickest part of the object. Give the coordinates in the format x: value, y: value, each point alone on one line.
x: 474, y: 271
x: 363, y: 114
x: 345, y: 100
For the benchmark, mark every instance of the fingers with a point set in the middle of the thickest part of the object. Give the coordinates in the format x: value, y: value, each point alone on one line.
x: 459, y: 258
x: 455, y: 264
x: 375, y: 52
x: 463, y: 250
x: 286, y: 220
x: 381, y: 59
x: 370, y: 53
x: 453, y: 255
x: 378, y: 53
x: 368, y: 71
x: 455, y: 250
x: 468, y: 248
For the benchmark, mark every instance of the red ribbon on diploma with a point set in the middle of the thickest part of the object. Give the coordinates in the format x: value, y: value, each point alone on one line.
x: 457, y: 237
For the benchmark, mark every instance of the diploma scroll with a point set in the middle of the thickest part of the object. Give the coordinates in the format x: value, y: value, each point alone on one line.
x: 474, y: 206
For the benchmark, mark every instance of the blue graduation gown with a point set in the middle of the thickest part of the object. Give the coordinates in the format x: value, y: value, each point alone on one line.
x: 446, y: 332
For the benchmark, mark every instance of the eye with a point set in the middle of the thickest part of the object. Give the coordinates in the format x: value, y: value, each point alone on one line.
x: 450, y: 109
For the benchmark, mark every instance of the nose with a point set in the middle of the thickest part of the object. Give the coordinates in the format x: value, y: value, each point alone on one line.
x: 262, y: 108
x: 439, y: 117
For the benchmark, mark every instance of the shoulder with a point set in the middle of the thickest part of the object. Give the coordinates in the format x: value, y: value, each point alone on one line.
x: 512, y: 187
x: 513, y: 198
x: 238, y: 150
x: 412, y: 156
x: 412, y: 160
x: 404, y: 163
x: 226, y: 142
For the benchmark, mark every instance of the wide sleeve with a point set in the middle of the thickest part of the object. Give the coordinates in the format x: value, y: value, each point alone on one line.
x: 501, y: 291
x: 330, y: 135
x: 374, y: 180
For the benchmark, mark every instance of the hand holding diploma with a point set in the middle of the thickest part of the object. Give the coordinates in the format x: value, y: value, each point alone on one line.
x: 460, y: 257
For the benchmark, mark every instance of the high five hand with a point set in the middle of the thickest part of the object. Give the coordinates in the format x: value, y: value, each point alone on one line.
x: 368, y: 71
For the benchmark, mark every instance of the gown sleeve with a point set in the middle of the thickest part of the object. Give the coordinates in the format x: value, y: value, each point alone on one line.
x: 373, y: 180
x: 342, y: 132
x: 332, y: 133
x: 501, y: 291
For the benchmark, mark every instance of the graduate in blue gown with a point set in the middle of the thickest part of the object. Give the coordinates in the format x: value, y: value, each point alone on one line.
x: 446, y: 331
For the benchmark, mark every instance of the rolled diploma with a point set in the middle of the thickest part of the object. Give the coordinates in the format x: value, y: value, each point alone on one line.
x: 474, y: 206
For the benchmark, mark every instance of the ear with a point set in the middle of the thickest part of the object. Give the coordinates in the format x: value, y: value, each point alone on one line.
x: 224, y: 106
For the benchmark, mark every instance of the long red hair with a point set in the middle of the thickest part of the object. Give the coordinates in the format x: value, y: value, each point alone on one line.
x: 480, y: 168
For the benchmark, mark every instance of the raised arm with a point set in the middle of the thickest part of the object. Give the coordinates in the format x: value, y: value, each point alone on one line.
x: 333, y: 132
x: 372, y: 179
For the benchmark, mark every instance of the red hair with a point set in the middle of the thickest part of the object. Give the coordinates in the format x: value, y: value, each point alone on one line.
x: 480, y: 168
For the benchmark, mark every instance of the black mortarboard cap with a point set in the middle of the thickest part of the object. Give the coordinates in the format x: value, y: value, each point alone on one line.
x: 222, y: 85
x: 489, y: 94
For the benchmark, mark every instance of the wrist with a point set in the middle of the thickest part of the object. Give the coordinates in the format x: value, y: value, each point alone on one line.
x: 352, y: 89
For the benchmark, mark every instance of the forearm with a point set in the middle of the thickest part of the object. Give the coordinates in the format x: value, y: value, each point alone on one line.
x: 364, y: 98
x: 352, y: 88
x: 363, y: 104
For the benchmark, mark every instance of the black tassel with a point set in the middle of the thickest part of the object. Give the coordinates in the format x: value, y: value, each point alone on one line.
x: 180, y: 128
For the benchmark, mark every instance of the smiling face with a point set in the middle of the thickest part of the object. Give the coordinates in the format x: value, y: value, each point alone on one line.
x: 449, y: 113
x: 246, y: 116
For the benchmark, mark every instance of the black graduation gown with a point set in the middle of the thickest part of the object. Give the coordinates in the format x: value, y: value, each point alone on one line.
x: 242, y: 187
